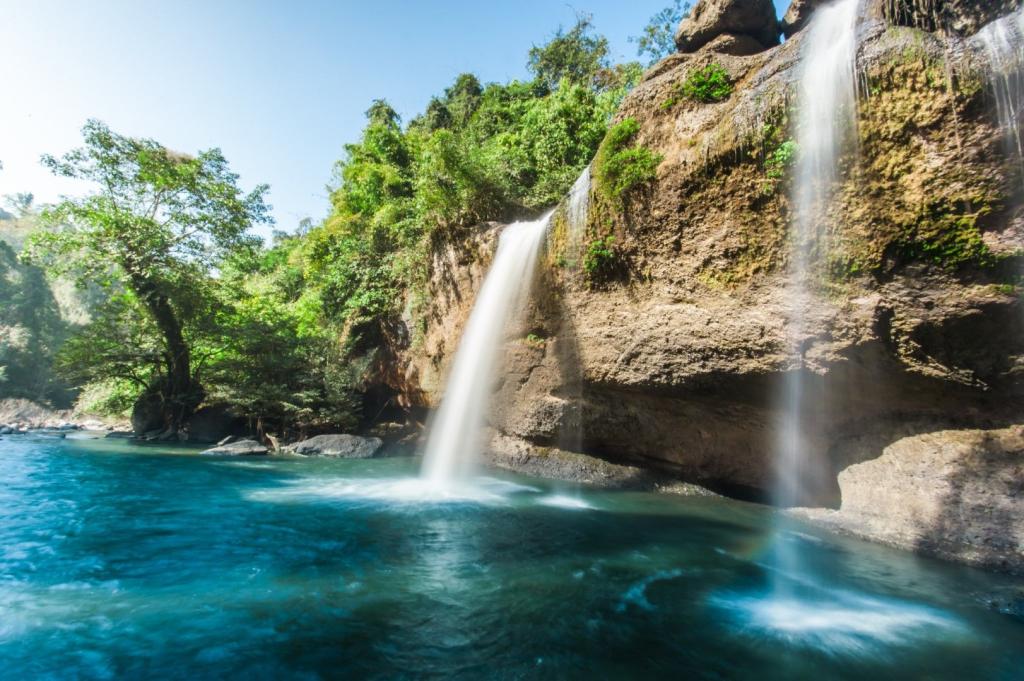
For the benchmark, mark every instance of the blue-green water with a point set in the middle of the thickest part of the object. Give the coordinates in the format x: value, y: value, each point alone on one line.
x: 127, y: 562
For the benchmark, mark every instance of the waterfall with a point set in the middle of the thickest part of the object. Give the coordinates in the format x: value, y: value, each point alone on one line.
x: 1002, y: 41
x: 456, y: 435
x: 827, y: 108
x: 576, y: 211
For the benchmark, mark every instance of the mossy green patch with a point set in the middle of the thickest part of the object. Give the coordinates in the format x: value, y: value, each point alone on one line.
x: 619, y: 167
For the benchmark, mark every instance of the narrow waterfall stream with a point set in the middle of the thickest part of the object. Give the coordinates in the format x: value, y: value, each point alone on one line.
x: 455, y: 437
x: 827, y: 101
x: 1002, y: 42
x: 576, y: 211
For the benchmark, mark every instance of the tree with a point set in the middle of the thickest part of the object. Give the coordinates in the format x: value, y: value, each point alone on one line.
x: 156, y: 225
x: 658, y: 38
x: 578, y: 57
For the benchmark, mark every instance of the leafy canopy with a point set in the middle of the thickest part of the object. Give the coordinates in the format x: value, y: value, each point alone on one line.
x: 155, y: 212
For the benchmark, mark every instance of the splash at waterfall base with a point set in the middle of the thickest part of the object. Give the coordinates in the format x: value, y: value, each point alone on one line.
x: 671, y: 372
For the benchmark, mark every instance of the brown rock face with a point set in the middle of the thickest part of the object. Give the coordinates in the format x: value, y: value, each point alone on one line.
x: 712, y: 18
x: 798, y: 14
x: 954, y: 494
x: 960, y: 17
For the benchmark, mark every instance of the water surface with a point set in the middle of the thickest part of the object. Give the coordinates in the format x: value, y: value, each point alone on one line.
x: 124, y: 561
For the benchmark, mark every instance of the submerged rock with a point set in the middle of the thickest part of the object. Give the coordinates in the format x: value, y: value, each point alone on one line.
x: 239, y: 448
x: 955, y: 494
x: 345, y: 446
x: 711, y: 18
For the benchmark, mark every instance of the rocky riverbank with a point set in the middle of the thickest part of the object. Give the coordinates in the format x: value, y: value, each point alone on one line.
x: 19, y: 416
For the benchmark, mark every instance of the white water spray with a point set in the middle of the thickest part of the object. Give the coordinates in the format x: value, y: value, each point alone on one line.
x: 1002, y: 41
x: 456, y: 436
x: 827, y: 108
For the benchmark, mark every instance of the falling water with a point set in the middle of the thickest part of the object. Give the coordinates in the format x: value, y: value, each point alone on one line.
x: 827, y: 101
x: 455, y: 438
x: 576, y: 210
x: 1003, y: 44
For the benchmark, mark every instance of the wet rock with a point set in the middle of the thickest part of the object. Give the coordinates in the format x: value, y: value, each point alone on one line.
x: 120, y: 434
x: 959, y: 17
x: 711, y: 18
x: 6, y: 430
x: 955, y: 494
x: 239, y: 448
x: 343, y: 446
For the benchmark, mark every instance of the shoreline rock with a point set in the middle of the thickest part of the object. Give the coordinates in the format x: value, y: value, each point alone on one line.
x: 953, y: 494
x: 337, y: 445
x: 237, y: 448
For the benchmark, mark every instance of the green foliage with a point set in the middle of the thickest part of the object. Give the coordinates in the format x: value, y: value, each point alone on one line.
x: 709, y: 84
x: 578, y: 57
x: 157, y: 225
x: 705, y: 85
x: 478, y: 153
x: 600, y: 257
x: 195, y: 308
x: 107, y: 398
x: 620, y: 168
x: 32, y: 329
x: 780, y: 160
x: 657, y: 40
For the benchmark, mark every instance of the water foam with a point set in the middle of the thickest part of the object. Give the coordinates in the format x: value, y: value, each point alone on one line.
x: 566, y: 502
x: 838, y: 622
x: 396, y: 492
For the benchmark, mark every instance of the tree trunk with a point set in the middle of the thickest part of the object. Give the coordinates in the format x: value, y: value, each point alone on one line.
x: 181, y: 394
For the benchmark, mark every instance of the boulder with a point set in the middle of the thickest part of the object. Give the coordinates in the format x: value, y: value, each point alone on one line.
x: 120, y: 434
x: 798, y: 14
x: 346, y: 446
x: 711, y: 18
x: 955, y: 494
x: 148, y: 414
x: 213, y: 423
x: 6, y: 430
x: 239, y: 448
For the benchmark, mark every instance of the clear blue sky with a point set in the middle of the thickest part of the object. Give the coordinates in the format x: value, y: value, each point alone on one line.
x: 279, y: 86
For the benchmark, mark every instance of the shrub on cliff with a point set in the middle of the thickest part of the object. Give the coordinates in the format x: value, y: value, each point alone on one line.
x: 620, y: 168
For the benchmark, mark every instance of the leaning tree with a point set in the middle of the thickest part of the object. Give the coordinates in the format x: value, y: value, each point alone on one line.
x: 155, y: 224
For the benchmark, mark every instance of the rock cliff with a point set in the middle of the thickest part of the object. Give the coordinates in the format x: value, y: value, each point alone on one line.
x: 673, y: 361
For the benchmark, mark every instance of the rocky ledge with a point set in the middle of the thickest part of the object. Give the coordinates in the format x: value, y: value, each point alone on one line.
x: 955, y: 494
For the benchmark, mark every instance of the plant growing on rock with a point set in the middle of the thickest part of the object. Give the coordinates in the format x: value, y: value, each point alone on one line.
x: 600, y: 258
x: 705, y: 85
x: 621, y: 168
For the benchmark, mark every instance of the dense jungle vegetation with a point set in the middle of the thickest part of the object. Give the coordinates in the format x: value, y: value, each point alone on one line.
x: 177, y: 305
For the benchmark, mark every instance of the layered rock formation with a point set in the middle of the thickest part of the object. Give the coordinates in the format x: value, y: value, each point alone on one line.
x: 675, y: 363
